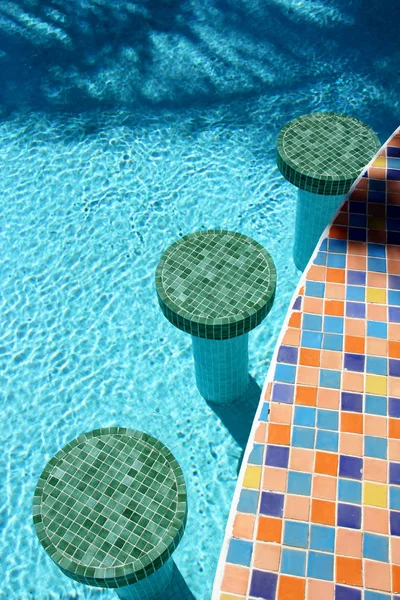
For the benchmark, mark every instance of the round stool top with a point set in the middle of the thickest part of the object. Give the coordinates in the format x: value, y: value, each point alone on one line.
x: 216, y: 284
x: 110, y: 507
x: 325, y: 152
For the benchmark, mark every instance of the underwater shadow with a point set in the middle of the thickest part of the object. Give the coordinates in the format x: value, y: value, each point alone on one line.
x: 178, y: 588
x: 238, y: 416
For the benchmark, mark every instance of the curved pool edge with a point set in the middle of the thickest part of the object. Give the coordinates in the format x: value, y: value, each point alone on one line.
x: 244, y: 561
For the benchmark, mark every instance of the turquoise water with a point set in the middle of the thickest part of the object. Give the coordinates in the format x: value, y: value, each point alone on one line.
x: 98, y: 177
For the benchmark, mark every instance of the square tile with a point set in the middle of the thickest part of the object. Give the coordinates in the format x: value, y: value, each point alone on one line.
x: 320, y: 565
x: 322, y: 538
x: 271, y: 504
x: 349, y: 542
x: 269, y: 529
x: 376, y: 547
x: 267, y: 556
x: 375, y: 520
x: 263, y: 584
x: 296, y: 534
x: 349, y: 515
x: 293, y: 562
x: 297, y: 507
x: 348, y: 571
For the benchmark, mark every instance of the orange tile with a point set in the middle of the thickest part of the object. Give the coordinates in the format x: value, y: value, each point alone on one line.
x: 394, y: 386
x: 375, y: 469
x: 297, y: 507
x: 280, y: 413
x: 326, y: 463
x: 334, y: 307
x: 267, y: 556
x: 375, y: 520
x: 355, y: 344
x: 351, y: 422
x: 235, y: 579
x: 395, y: 578
x: 291, y: 588
x: 316, y: 273
x: 349, y: 542
x: 312, y: 305
x: 394, y: 428
x: 274, y: 479
x: 394, y: 349
x: 354, y: 327
x: 301, y: 291
x: 376, y: 279
x: 394, y: 448
x: 291, y: 337
x: 393, y: 252
x: 375, y: 425
x: 301, y: 460
x: 318, y: 590
x: 356, y: 263
x: 353, y: 382
x: 323, y: 512
x: 279, y: 434
x: 243, y: 526
x: 349, y: 570
x: 359, y: 248
x: 328, y: 398
x: 375, y: 312
x: 306, y: 395
x: 395, y: 549
x: 335, y: 275
x: 307, y: 375
x: 335, y: 291
x: 376, y: 346
x: 338, y: 233
x: 393, y: 267
x: 295, y: 320
x: 362, y: 184
x: 350, y: 443
x: 324, y: 487
x: 394, y: 332
x: 260, y: 433
x: 377, y: 576
x: 331, y: 359
x: 269, y: 529
x: 310, y: 357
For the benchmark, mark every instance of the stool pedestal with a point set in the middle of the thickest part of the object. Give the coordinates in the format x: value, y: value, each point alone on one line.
x: 151, y: 587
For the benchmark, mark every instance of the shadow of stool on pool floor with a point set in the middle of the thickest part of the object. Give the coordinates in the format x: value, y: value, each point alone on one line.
x: 178, y: 588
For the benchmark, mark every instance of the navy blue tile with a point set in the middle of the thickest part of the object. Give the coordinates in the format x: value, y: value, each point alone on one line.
x: 350, y: 466
x: 283, y: 392
x: 394, y: 282
x: 287, y: 354
x: 351, y: 402
x: 393, y: 211
x: 393, y: 174
x: 393, y: 151
x: 357, y: 220
x: 277, y: 456
x: 393, y: 238
x: 358, y: 207
x: 394, y: 522
x: 297, y: 303
x: 394, y: 314
x: 355, y: 310
x: 271, y: 504
x: 349, y: 515
x: 394, y: 407
x: 263, y: 585
x: 376, y: 197
x: 377, y: 185
x: 354, y: 362
x: 346, y: 593
x: 357, y: 235
x: 393, y: 224
x: 394, y: 473
x: 394, y: 367
x: 356, y: 277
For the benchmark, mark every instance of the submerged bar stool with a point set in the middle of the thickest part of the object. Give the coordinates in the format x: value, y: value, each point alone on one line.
x: 110, y: 509
x: 217, y: 285
x: 322, y: 154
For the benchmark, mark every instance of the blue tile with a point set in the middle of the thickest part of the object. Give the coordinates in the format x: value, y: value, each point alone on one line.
x: 285, y: 373
x: 277, y: 456
x: 393, y: 224
x: 312, y: 322
x: 376, y: 365
x: 282, y: 392
x: 328, y: 419
x: 329, y: 378
x: 377, y: 264
x: 293, y: 562
x: 324, y: 244
x: 248, y: 501
x: 311, y: 339
x: 377, y: 329
x: 287, y: 354
x: 256, y: 454
x: 354, y: 362
x: 350, y: 466
x: 333, y: 324
x: 332, y: 341
x: 239, y: 552
x: 394, y: 407
x: 394, y: 314
x: 356, y: 277
x: 394, y: 497
x: 394, y: 282
x: 376, y: 547
x: 350, y: 491
x: 264, y: 412
x: 355, y: 293
x: 377, y: 250
x: 337, y: 261
x: 394, y: 522
x: 320, y: 259
x: 351, y: 402
x: 394, y: 367
x: 375, y: 446
x: 263, y: 584
x: 378, y: 185
x: 305, y: 416
x: 357, y: 221
x: 320, y: 566
x: 303, y: 437
x: 375, y: 405
x: 393, y: 211
x: 271, y: 504
x: 327, y: 440
x: 296, y: 534
x: 347, y: 593
x: 322, y: 538
x: 368, y: 595
x: 299, y: 483
x: 315, y: 289
x: 394, y: 473
x: 349, y: 515
x: 394, y: 297
x: 355, y: 310
x: 339, y: 246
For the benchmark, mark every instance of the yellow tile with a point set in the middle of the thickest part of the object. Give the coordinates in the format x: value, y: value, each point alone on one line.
x: 375, y: 494
x: 380, y: 161
x: 376, y: 384
x: 376, y: 295
x: 229, y: 597
x: 252, y: 477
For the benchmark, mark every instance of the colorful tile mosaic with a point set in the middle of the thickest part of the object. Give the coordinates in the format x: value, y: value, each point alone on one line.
x: 320, y: 516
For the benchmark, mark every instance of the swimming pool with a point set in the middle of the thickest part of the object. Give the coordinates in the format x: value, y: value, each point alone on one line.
x: 89, y: 202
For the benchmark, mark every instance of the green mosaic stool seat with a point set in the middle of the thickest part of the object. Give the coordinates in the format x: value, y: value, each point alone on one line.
x: 217, y: 285
x: 322, y: 154
x: 110, y: 509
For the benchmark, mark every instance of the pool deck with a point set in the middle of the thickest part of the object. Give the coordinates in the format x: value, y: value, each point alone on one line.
x: 316, y: 511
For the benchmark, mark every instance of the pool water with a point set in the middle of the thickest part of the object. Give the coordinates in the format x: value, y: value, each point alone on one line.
x: 91, y: 198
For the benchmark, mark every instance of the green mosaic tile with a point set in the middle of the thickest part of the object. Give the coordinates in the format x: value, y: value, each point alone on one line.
x: 110, y: 507
x: 324, y: 153
x: 216, y: 284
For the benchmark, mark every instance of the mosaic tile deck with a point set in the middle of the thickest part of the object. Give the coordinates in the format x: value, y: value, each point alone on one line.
x: 316, y: 513
x: 110, y: 507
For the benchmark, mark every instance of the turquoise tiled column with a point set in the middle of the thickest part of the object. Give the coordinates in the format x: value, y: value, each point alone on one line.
x: 217, y: 285
x: 151, y: 587
x: 322, y: 154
